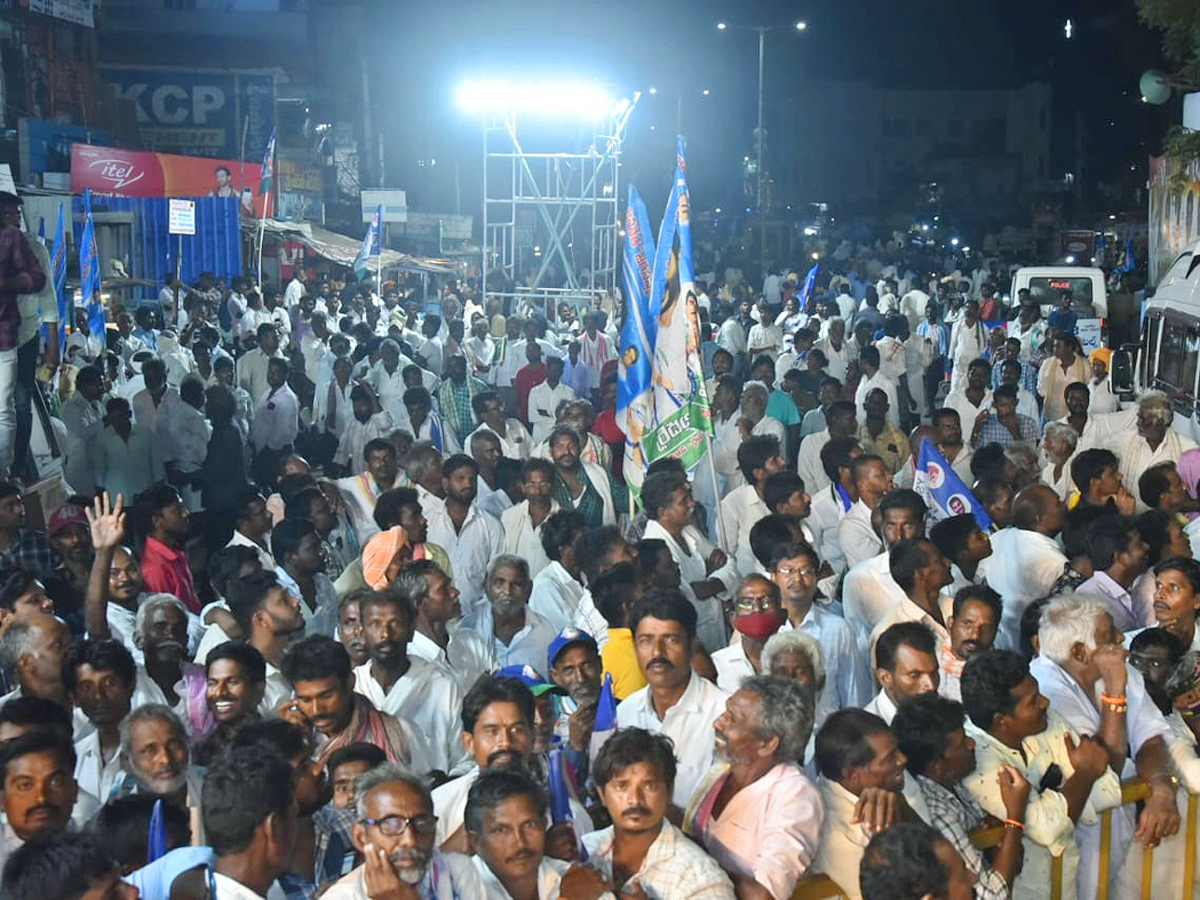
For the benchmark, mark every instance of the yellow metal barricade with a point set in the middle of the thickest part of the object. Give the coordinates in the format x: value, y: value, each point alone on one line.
x: 822, y: 887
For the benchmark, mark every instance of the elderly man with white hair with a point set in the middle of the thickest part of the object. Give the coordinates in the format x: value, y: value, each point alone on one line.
x: 755, y: 811
x: 798, y: 655
x: 1058, y: 446
x: 1083, y: 672
x: 754, y: 420
x: 1153, y: 442
x: 167, y: 676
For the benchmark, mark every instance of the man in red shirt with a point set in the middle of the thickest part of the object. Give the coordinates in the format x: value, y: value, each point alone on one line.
x: 528, y: 378
x: 162, y: 516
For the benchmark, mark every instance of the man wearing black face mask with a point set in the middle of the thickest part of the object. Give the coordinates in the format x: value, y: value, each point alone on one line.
x: 757, y: 614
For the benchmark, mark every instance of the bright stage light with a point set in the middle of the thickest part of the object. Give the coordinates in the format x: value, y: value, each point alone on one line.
x: 721, y: 26
x: 801, y: 26
x: 582, y: 100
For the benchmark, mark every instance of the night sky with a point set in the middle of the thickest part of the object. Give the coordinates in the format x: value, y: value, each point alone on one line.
x: 676, y: 47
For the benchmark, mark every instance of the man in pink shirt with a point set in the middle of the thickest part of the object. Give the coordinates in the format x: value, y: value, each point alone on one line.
x: 755, y: 812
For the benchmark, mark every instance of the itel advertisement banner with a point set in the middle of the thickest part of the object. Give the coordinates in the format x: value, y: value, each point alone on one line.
x: 131, y: 173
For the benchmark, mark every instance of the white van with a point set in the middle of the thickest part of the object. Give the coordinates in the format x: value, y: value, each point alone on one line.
x: 1164, y: 358
x: 1047, y: 283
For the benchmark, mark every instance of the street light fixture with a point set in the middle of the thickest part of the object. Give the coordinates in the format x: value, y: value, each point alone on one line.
x: 758, y: 134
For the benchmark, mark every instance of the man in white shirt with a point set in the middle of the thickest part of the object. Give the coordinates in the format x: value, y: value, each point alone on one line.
x: 863, y: 788
x: 856, y: 535
x: 905, y: 666
x: 99, y: 677
x: 408, y: 858
x: 841, y: 421
x: 1080, y: 656
x: 83, y: 414
x: 676, y: 701
x: 758, y: 458
x: 460, y: 653
x: 558, y: 588
x: 369, y: 422
x: 835, y: 348
x: 408, y: 688
x: 545, y: 398
x: 360, y: 492
x: 515, y: 442
x: 765, y: 336
x: 276, y: 422
x: 1154, y: 441
x: 470, y: 536
x: 1026, y: 560
x: 295, y: 288
x: 968, y: 338
x: 873, y: 377
x: 252, y: 366
x: 519, y: 636
x: 1070, y: 782
x: 386, y: 378
x: 973, y: 396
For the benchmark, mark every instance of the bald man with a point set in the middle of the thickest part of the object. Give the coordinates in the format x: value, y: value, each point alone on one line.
x: 1026, y: 559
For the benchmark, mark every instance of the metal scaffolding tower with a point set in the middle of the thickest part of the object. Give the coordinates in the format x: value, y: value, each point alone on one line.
x: 551, y: 219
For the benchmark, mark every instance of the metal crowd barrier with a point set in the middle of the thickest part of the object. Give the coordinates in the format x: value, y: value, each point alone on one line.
x: 822, y: 887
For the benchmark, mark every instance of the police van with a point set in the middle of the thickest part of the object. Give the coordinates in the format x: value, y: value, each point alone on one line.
x: 1164, y: 358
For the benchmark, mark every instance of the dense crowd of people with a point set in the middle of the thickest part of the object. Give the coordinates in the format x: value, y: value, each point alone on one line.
x: 348, y: 598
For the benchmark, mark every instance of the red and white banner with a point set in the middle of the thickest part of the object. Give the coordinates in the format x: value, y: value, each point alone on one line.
x: 132, y: 173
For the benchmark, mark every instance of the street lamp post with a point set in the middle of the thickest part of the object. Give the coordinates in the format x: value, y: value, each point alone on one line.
x: 758, y: 135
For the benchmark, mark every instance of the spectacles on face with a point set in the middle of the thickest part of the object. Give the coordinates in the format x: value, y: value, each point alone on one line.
x: 754, y: 604
x: 393, y: 826
x: 789, y: 571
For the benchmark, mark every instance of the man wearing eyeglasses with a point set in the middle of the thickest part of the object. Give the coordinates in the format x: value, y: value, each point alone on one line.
x: 394, y: 832
x: 757, y: 614
x: 793, y: 567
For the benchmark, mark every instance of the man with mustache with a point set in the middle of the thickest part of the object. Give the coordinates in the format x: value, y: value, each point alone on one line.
x: 100, y: 676
x: 575, y: 666
x: 406, y: 687
x: 237, y: 676
x: 154, y: 754
x: 905, y: 666
x: 675, y: 702
x: 641, y: 850
x: 350, y: 627
x: 1176, y: 600
x: 39, y: 787
x: 320, y: 671
x: 972, y: 625
x: 497, y: 731
x: 505, y: 817
x: 518, y: 635
x: 394, y: 832
x: 167, y: 676
x: 755, y: 811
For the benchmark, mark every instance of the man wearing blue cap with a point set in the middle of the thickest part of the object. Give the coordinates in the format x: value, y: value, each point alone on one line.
x: 575, y: 666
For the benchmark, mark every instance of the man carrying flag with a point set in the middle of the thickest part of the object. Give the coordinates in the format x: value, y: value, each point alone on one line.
x: 20, y: 273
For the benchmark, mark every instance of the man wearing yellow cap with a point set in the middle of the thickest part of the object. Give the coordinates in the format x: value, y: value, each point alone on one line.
x: 1104, y: 400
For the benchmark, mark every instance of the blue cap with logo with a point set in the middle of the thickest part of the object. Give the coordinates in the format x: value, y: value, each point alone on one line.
x: 566, y: 638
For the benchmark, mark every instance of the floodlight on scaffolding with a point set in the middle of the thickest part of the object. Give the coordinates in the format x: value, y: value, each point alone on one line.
x: 565, y: 99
